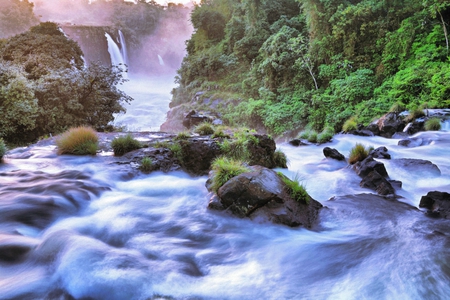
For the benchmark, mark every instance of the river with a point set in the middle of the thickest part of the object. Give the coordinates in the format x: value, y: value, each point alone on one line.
x: 82, y: 228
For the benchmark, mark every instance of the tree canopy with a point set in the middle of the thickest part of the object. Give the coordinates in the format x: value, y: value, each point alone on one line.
x: 294, y: 63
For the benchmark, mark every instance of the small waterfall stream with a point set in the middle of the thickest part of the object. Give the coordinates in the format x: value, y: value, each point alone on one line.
x: 116, y: 55
x: 123, y: 48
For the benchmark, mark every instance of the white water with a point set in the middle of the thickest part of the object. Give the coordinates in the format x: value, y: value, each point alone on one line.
x: 153, y: 235
x: 161, y: 61
x: 114, y: 51
x: 123, y: 49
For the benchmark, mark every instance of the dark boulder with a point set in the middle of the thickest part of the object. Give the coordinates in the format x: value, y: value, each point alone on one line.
x: 380, y: 152
x: 410, y: 142
x: 437, y: 204
x: 373, y: 127
x: 261, y: 152
x: 414, y: 127
x: 298, y: 142
x: 362, y: 132
x: 262, y: 196
x: 389, y: 124
x: 333, y: 153
x: 193, y: 118
x: 418, y: 167
x: 198, y: 154
x: 368, y: 165
x: 378, y: 183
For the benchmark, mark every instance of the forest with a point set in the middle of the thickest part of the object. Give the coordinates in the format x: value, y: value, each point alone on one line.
x: 292, y: 64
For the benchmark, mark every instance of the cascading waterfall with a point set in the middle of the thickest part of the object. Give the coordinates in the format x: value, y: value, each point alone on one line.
x: 114, y: 51
x: 123, y: 46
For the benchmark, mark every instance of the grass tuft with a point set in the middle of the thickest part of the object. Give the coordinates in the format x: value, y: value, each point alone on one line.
x: 183, y: 135
x: 79, y: 141
x: 350, y: 124
x: 296, y: 189
x: 433, y: 124
x: 146, y: 164
x: 204, y: 128
x: 124, y: 144
x: 326, y: 135
x: 358, y: 153
x: 224, y: 169
x: 280, y: 159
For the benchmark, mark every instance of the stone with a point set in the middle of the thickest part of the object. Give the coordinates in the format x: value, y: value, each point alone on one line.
x: 262, y: 196
x: 378, y: 183
x: 368, y: 165
x: 297, y: 142
x: 418, y: 167
x: 193, y: 118
x: 380, y: 152
x: 333, y: 153
x: 389, y: 124
x: 437, y: 204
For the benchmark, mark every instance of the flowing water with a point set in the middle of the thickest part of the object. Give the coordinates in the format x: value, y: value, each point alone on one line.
x: 84, y: 228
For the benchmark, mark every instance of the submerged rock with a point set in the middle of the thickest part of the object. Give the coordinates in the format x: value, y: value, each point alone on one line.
x: 437, y: 204
x: 262, y: 196
x: 418, y: 167
x: 333, y: 153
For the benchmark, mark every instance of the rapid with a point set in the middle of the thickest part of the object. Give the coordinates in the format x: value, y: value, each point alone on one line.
x: 82, y: 228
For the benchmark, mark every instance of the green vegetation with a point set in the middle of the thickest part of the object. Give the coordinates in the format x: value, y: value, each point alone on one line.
x: 182, y: 135
x: 124, y: 144
x: 177, y: 151
x: 350, y: 125
x: 237, y: 147
x: 289, y: 64
x: 16, y: 16
x: 358, y: 153
x: 280, y: 159
x: 224, y: 169
x: 296, y: 189
x: 433, y: 124
x: 2, y: 148
x: 204, y: 128
x: 326, y: 135
x: 46, y: 88
x: 78, y: 141
x: 146, y: 164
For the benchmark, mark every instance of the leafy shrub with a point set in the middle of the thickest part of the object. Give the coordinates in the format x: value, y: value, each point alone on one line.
x: 204, y: 128
x: 358, y: 153
x: 2, y: 148
x: 433, y: 124
x: 124, y: 144
x: 280, y: 159
x: 295, y: 188
x: 183, y: 135
x: 326, y: 135
x: 224, y: 169
x: 146, y: 164
x: 350, y: 125
x: 78, y: 141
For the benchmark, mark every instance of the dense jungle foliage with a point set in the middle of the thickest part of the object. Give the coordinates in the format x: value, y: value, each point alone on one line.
x: 293, y: 63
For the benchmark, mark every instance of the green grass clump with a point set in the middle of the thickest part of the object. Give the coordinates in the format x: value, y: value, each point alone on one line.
x: 220, y: 133
x: 432, y: 124
x: 326, y: 135
x: 397, y: 107
x: 414, y: 114
x: 146, y: 164
x: 124, y: 144
x: 224, y: 169
x: 177, y: 151
x: 296, y: 189
x: 350, y: 124
x: 183, y: 135
x: 204, y: 128
x: 2, y: 148
x: 79, y: 141
x: 304, y: 134
x: 161, y: 144
x: 358, y: 153
x: 280, y: 159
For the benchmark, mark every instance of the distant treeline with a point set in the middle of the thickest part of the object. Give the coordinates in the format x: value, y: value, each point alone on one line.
x: 288, y: 64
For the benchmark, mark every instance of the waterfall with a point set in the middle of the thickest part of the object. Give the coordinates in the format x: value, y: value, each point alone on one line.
x: 123, y: 47
x: 161, y: 61
x: 114, y: 51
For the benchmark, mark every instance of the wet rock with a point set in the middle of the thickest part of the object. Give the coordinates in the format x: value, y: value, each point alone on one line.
x: 262, y: 152
x: 198, y: 154
x: 418, y: 167
x: 414, y: 127
x: 368, y: 165
x: 362, y: 132
x: 437, y: 203
x: 297, y: 142
x: 262, y: 196
x: 373, y: 127
x: 410, y: 142
x: 194, y: 118
x: 378, y: 183
x: 174, y: 120
x: 380, y: 152
x: 389, y: 124
x: 333, y: 153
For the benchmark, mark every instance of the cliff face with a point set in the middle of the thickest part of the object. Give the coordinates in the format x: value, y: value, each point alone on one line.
x: 92, y: 41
